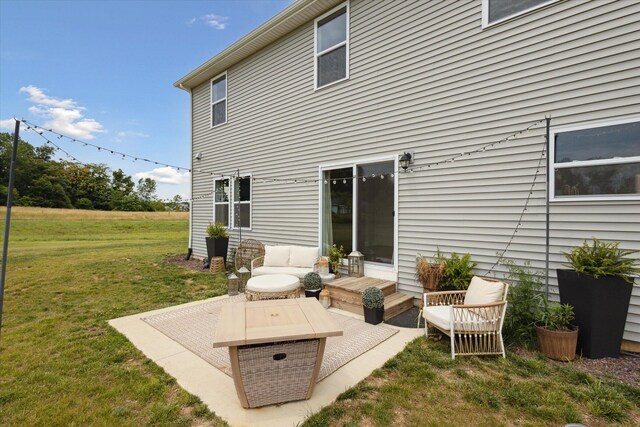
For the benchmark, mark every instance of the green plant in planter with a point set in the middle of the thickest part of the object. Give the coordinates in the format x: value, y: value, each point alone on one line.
x: 312, y: 281
x: 600, y: 259
x: 599, y: 289
x: 556, y: 317
x: 336, y: 254
x: 217, y: 229
x: 458, y: 271
x: 372, y: 298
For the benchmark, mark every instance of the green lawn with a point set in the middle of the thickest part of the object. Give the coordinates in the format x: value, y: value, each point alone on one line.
x: 61, y: 364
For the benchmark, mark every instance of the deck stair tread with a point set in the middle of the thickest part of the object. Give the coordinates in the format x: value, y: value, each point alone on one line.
x: 346, y: 294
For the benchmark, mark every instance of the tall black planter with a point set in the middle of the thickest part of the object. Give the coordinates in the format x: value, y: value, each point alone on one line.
x: 217, y: 246
x: 373, y: 315
x: 600, y: 306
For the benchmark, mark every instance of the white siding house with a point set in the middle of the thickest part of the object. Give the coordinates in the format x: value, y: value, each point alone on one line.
x: 328, y: 90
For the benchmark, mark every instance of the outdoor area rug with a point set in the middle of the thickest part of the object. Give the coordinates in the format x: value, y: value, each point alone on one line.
x: 194, y: 327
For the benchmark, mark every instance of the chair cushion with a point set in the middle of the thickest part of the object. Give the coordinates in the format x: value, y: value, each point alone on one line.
x: 276, y: 256
x: 302, y: 256
x: 482, y: 291
x: 293, y: 271
x: 440, y: 316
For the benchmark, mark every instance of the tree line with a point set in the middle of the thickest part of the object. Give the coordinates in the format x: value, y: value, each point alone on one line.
x: 42, y: 181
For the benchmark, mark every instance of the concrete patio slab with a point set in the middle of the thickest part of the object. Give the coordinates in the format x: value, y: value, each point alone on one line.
x: 216, y: 389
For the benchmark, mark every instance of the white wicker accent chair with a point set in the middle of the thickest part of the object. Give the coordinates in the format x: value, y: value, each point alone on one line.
x: 472, y: 319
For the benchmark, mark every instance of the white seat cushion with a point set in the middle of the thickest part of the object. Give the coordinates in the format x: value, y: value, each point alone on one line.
x: 301, y: 256
x: 440, y: 316
x: 293, y: 271
x: 273, y: 283
x: 276, y: 256
x: 482, y: 291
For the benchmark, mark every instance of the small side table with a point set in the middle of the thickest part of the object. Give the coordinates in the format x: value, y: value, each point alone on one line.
x: 275, y: 347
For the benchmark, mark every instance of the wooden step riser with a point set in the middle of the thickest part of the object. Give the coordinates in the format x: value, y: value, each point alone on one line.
x: 391, y: 309
x: 348, y: 295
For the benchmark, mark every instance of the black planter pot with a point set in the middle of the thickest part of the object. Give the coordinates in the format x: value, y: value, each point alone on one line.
x: 373, y: 315
x: 217, y: 246
x: 600, y: 306
x: 312, y: 294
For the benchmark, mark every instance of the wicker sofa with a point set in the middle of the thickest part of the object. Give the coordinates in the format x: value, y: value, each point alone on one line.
x: 293, y: 260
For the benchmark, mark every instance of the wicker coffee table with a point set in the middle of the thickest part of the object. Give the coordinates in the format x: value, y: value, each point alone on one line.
x: 275, y: 347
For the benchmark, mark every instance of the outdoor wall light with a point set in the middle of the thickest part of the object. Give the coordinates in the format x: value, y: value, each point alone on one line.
x: 198, y: 156
x: 406, y: 159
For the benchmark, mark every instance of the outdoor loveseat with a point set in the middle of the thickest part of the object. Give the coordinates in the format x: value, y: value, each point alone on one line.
x: 293, y: 260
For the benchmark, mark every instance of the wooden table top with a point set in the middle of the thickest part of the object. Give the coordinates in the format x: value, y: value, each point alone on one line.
x: 278, y: 320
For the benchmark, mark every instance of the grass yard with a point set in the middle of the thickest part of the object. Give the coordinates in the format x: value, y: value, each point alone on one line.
x: 61, y: 364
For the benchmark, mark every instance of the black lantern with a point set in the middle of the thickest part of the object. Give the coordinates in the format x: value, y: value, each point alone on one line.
x: 405, y: 160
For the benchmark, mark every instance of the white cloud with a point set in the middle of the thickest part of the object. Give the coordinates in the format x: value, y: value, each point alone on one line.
x: 165, y: 175
x: 218, y: 22
x: 62, y: 115
x: 8, y: 124
x: 127, y: 134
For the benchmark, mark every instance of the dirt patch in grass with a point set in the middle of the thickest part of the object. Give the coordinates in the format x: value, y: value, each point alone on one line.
x: 191, y: 264
x: 625, y: 369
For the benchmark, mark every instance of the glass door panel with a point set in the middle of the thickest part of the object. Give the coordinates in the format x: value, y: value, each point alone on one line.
x: 337, y: 209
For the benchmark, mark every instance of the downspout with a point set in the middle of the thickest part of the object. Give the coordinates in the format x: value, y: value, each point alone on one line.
x: 190, y: 167
x: 546, y: 259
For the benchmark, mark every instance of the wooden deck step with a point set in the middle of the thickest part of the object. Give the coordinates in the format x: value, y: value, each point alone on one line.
x: 346, y: 294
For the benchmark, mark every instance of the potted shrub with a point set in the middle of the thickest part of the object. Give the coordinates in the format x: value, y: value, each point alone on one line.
x: 458, y: 271
x: 336, y: 254
x: 599, y: 289
x: 312, y: 285
x: 429, y: 273
x: 217, y: 240
x: 557, y: 337
x: 373, y: 303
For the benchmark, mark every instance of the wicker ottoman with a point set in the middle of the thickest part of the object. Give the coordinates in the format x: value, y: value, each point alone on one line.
x: 272, y: 286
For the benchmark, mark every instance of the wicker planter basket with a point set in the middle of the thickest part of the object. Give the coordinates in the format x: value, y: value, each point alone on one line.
x: 429, y: 274
x: 277, y: 373
x: 558, y: 345
x: 217, y: 264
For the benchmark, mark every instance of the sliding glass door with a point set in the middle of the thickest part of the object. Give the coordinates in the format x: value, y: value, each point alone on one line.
x: 358, y: 213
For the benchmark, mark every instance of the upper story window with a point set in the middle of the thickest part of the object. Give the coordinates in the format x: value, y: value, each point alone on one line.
x: 332, y: 46
x: 494, y: 11
x: 219, y: 100
x: 596, y: 161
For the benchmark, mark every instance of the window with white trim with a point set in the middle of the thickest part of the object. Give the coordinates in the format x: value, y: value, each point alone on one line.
x: 332, y: 46
x: 495, y: 11
x: 241, y: 202
x: 221, y: 201
x: 596, y: 161
x: 219, y: 100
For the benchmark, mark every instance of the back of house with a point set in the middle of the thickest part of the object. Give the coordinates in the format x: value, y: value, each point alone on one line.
x: 299, y: 127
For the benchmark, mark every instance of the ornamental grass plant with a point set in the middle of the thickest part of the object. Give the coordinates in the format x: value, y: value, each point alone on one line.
x: 599, y: 259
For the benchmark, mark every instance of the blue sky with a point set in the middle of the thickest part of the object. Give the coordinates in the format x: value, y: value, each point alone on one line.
x: 103, y: 72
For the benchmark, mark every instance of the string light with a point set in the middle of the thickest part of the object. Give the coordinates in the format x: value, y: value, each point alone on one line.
x: 288, y: 180
x: 524, y: 209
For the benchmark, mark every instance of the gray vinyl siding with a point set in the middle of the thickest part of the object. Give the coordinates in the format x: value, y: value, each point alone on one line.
x: 425, y: 77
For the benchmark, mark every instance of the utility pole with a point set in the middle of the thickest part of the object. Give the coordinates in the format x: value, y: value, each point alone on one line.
x: 7, y: 223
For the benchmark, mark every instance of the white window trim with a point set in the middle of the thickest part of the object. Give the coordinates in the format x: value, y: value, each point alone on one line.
x: 378, y: 267
x: 485, y: 13
x: 317, y: 54
x: 553, y: 166
x: 226, y: 104
x: 232, y: 214
x: 228, y: 203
